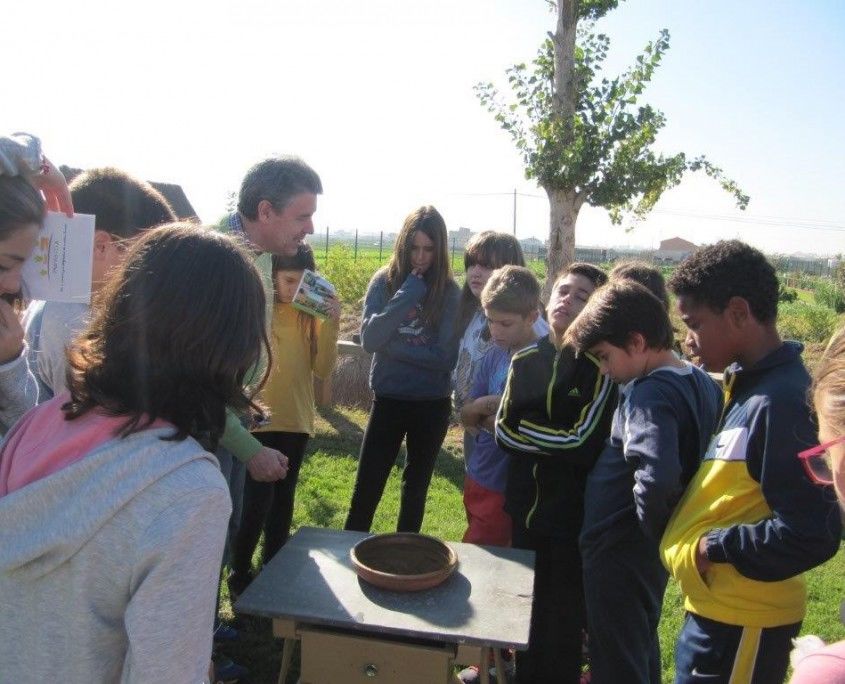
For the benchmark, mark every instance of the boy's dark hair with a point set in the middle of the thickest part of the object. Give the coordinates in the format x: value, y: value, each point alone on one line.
x: 615, y: 312
x: 124, y: 206
x: 512, y: 289
x: 644, y: 274
x: 277, y: 180
x: 177, y: 330
x: 303, y: 259
x: 730, y: 268
x: 592, y: 273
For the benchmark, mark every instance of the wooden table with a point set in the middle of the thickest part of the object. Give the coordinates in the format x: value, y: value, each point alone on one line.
x: 352, y: 631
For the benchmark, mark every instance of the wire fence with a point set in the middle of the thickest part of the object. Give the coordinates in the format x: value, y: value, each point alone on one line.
x: 375, y: 249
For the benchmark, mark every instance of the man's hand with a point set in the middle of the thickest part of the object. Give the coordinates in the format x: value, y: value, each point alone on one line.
x: 11, y: 333
x: 54, y: 186
x: 268, y: 465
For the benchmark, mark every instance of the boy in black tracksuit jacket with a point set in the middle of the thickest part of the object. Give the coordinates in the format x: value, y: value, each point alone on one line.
x: 554, y: 417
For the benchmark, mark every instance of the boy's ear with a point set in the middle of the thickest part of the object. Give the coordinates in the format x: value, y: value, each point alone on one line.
x: 636, y: 343
x: 101, y: 241
x: 738, y: 311
x: 533, y: 315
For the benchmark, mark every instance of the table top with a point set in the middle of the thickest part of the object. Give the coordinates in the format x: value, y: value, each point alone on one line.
x: 485, y: 602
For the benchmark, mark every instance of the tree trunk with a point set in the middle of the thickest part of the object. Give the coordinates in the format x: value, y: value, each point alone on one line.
x: 564, y: 43
x: 564, y: 207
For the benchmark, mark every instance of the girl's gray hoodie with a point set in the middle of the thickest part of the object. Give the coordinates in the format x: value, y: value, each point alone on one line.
x: 109, y: 567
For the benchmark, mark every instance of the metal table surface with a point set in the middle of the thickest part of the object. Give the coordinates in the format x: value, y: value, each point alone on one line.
x: 485, y: 602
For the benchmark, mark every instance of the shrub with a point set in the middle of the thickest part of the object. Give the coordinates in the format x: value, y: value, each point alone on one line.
x: 349, y: 276
x: 786, y: 295
x: 829, y: 295
x: 806, y: 322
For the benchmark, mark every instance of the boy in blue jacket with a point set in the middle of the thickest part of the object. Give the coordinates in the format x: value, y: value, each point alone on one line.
x: 750, y: 522
x: 666, y: 415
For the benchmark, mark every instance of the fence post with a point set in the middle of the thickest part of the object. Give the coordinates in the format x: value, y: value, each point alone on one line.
x: 380, y: 242
x: 327, y: 244
x: 355, y: 252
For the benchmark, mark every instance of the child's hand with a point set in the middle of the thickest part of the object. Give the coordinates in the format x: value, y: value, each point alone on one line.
x: 702, y: 563
x: 333, y: 308
x: 52, y: 183
x: 11, y: 333
x: 489, y: 404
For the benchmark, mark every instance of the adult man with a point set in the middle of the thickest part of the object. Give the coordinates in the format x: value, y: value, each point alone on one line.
x: 276, y: 203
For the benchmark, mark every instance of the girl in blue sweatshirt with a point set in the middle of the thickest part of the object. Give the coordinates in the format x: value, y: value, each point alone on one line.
x: 409, y: 327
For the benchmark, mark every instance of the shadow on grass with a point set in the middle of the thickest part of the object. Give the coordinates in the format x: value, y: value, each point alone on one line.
x: 321, y: 513
x: 346, y: 428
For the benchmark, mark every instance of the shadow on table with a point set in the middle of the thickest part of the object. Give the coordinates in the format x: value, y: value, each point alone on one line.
x: 446, y: 605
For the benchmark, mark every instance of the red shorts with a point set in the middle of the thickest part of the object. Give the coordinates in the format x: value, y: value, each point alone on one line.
x: 488, y: 522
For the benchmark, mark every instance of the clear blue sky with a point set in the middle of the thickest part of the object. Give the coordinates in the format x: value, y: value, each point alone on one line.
x: 377, y: 96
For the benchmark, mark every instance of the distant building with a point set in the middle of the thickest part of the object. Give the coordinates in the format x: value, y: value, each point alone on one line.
x: 532, y: 246
x: 458, y: 238
x: 674, y: 249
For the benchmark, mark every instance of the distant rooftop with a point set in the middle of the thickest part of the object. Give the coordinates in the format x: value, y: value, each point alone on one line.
x: 173, y: 193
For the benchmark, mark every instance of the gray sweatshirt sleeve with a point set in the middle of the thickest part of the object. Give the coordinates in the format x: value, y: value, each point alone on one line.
x: 169, y: 618
x: 18, y: 390
x: 20, y: 155
x: 382, y: 316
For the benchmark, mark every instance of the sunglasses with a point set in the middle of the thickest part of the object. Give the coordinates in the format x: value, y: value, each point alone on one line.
x: 817, y: 461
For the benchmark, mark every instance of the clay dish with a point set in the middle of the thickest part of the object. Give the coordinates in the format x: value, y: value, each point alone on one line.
x: 403, y: 561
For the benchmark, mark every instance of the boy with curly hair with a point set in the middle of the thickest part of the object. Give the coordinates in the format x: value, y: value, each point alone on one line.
x: 750, y: 523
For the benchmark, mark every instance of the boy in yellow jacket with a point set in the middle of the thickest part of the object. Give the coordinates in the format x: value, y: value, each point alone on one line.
x: 750, y: 522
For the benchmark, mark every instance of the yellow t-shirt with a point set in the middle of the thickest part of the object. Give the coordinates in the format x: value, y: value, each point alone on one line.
x: 289, y: 392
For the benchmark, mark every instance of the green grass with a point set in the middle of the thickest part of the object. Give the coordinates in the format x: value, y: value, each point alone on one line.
x: 322, y: 500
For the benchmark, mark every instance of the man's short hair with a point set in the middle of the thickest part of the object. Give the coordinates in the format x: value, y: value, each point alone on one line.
x: 124, y: 206
x: 644, y: 274
x: 277, y: 180
x: 512, y: 289
x: 730, y: 268
x: 615, y: 312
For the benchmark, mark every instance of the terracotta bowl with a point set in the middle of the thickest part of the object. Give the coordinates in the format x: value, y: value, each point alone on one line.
x: 403, y: 561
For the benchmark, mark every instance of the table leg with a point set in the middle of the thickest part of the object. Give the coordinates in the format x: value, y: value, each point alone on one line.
x: 499, y: 662
x: 484, y: 666
x: 287, y: 654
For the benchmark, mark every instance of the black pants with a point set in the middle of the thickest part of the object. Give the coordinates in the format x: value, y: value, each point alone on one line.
x: 423, y: 425
x: 558, y: 615
x: 268, y: 505
x: 624, y: 582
